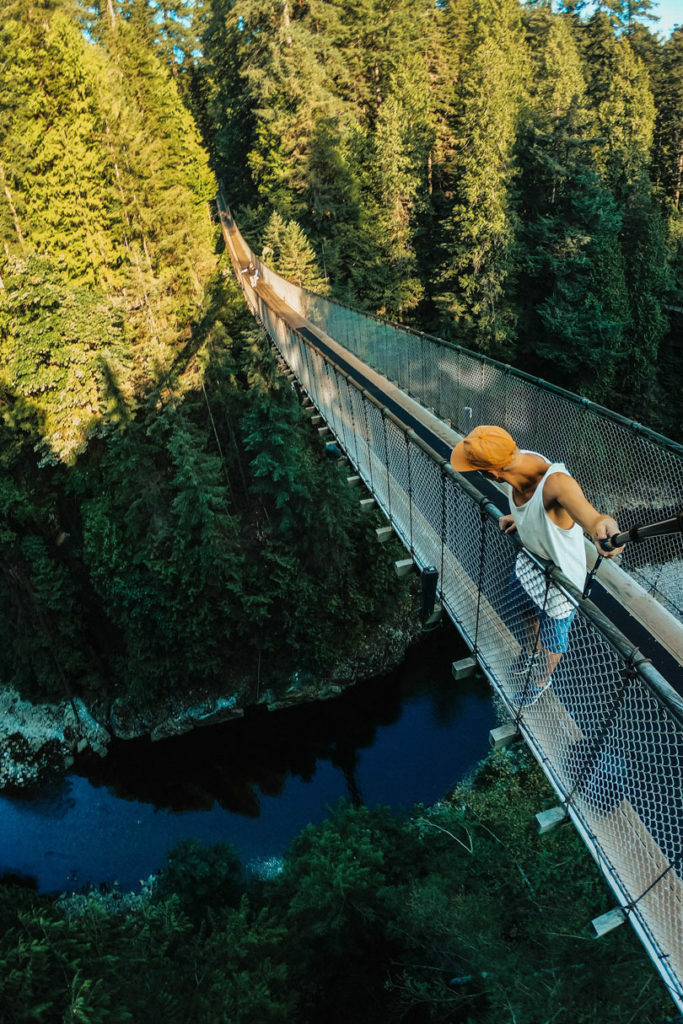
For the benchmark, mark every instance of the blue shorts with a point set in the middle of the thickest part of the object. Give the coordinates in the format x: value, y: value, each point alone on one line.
x: 554, y: 632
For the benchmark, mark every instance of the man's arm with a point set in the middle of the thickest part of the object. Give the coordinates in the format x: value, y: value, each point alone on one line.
x: 564, y: 491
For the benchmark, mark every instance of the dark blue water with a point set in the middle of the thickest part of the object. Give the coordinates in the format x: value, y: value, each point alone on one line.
x: 404, y: 739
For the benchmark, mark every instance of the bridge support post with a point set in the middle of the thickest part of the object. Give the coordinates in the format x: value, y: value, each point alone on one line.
x: 430, y: 579
x: 434, y: 618
x: 367, y: 504
x: 383, y: 533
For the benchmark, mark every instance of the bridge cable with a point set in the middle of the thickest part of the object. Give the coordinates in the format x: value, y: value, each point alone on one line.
x: 367, y: 441
x: 482, y: 542
x: 410, y: 496
x: 627, y: 676
x: 537, y: 638
x: 386, y: 462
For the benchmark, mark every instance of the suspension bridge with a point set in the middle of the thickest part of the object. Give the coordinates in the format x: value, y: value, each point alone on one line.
x: 608, y: 733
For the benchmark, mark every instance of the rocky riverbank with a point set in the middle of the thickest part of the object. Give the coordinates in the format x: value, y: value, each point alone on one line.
x: 38, y: 741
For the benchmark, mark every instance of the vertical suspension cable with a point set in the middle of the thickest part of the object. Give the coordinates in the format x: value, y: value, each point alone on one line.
x: 442, y: 531
x: 367, y: 441
x: 532, y: 659
x: 480, y: 577
x: 628, y: 676
x: 410, y: 495
x: 386, y: 463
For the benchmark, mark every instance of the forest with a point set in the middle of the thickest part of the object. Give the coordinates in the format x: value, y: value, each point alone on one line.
x: 459, y: 914
x: 505, y: 176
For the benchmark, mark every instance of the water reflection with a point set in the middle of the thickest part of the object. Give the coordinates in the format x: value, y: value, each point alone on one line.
x: 233, y: 764
x: 52, y: 800
x: 254, y: 783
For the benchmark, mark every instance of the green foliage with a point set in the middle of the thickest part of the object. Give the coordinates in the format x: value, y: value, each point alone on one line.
x: 286, y: 249
x: 169, y: 547
x: 430, y: 152
x: 60, y: 346
x: 477, y: 263
x: 203, y: 878
x: 461, y: 912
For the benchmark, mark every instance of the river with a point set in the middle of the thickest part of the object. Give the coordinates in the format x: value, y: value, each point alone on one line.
x: 255, y: 782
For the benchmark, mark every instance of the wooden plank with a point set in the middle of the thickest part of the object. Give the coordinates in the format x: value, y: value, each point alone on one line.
x: 464, y: 668
x: 503, y: 735
x: 550, y: 819
x: 607, y: 922
x: 404, y: 566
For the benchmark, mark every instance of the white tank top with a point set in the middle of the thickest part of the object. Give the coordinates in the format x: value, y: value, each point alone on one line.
x: 545, y: 538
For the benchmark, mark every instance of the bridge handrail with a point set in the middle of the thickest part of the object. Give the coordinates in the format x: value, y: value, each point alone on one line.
x: 609, y: 731
x: 639, y: 428
x: 625, y: 468
x: 630, y: 653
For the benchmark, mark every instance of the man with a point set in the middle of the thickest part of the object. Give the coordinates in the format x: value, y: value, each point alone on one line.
x: 550, y: 512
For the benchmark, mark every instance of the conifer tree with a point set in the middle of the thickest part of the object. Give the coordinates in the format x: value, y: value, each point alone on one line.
x: 648, y: 278
x: 286, y: 248
x: 668, y: 148
x: 284, y: 74
x: 478, y: 261
x: 57, y: 344
x: 572, y: 289
x: 621, y: 99
x: 627, y: 14
x: 396, y: 199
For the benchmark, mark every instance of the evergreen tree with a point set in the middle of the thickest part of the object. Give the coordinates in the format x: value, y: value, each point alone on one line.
x: 221, y: 103
x: 648, y: 279
x: 59, y: 347
x: 621, y: 100
x: 283, y: 66
x: 478, y: 261
x: 573, y: 287
x: 627, y: 15
x: 668, y: 149
x: 395, y: 199
x: 286, y: 248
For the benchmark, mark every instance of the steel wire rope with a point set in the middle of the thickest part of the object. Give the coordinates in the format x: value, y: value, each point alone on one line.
x: 532, y: 659
x: 353, y: 425
x: 410, y: 495
x: 386, y: 462
x: 442, y: 532
x: 628, y: 674
x: 633, y: 904
x: 480, y: 576
x: 346, y: 425
x: 367, y: 441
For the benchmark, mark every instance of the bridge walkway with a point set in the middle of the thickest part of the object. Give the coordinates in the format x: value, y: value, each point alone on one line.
x: 609, y: 733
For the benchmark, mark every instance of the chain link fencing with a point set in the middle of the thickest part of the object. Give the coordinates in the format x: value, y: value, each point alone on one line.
x: 625, y: 469
x: 607, y: 730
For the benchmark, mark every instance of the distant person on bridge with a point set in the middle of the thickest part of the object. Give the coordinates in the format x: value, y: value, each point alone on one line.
x: 550, y: 513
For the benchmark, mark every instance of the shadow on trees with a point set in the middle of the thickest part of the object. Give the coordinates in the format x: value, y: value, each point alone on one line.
x: 188, y: 545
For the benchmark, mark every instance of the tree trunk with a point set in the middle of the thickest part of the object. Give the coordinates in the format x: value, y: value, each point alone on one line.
x: 8, y: 195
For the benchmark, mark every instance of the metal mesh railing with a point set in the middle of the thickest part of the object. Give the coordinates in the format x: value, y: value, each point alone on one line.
x: 612, y: 748
x: 625, y: 469
x: 608, y: 731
